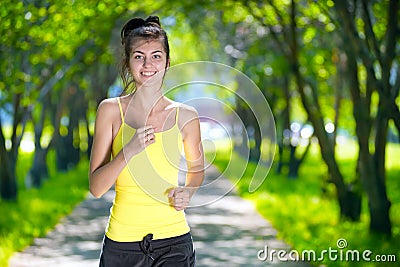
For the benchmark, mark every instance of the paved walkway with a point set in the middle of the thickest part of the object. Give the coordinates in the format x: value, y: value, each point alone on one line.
x: 227, y: 232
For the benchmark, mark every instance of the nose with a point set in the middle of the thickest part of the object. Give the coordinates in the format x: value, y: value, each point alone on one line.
x: 146, y: 62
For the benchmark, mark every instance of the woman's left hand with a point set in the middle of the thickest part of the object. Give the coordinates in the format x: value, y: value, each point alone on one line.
x: 179, y: 197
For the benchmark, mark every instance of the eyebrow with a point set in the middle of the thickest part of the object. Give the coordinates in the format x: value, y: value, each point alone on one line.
x: 140, y: 52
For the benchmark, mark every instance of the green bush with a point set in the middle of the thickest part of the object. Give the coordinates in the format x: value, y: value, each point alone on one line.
x: 38, y: 210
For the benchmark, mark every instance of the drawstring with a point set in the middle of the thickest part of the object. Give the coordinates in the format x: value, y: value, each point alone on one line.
x: 145, y: 245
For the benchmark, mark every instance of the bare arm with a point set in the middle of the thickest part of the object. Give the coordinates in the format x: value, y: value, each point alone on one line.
x: 194, y: 153
x: 195, y: 160
x: 103, y: 171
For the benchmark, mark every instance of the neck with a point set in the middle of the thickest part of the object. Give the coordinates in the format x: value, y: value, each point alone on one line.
x: 149, y: 99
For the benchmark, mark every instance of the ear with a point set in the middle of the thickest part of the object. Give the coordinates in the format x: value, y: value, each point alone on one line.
x: 168, y: 63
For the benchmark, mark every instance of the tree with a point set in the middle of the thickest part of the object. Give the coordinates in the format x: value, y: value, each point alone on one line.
x: 369, y: 33
x: 15, y: 78
x: 283, y: 27
x: 44, y: 49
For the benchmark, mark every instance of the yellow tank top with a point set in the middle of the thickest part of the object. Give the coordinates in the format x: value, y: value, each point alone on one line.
x: 141, y: 203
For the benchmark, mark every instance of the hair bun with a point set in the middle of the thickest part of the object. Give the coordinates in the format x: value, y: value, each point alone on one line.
x: 154, y: 19
x: 135, y: 23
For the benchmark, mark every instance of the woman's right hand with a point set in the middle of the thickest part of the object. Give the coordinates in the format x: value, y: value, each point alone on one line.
x: 143, y: 137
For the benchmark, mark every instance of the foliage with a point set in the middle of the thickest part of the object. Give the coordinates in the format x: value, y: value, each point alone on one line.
x: 38, y: 210
x: 306, y: 216
x: 57, y: 45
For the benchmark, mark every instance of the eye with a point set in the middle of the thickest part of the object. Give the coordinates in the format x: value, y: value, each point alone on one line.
x: 157, y: 56
x: 137, y: 57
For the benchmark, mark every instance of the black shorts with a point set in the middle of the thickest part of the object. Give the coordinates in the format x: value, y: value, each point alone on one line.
x: 175, y: 252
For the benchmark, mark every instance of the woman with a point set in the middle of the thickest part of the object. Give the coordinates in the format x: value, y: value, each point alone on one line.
x: 137, y: 146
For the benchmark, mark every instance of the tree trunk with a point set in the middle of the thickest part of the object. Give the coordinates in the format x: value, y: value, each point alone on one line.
x: 255, y: 151
x: 395, y: 114
x: 8, y: 181
x: 312, y: 107
x: 372, y: 167
x: 345, y: 193
x: 68, y: 155
x: 295, y: 162
x: 371, y: 164
x: 284, y: 127
x: 242, y: 147
x: 280, y: 163
x: 39, y: 169
x: 371, y: 177
x: 350, y: 204
x: 379, y: 203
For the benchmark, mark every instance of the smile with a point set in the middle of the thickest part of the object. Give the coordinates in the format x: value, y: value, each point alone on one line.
x: 148, y: 73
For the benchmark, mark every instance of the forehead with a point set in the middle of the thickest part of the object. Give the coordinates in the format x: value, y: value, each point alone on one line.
x: 147, y: 45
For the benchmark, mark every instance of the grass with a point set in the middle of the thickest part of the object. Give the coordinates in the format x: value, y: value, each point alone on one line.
x: 307, y: 217
x: 38, y: 210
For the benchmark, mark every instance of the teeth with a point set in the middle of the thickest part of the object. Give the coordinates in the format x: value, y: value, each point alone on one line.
x: 148, y: 73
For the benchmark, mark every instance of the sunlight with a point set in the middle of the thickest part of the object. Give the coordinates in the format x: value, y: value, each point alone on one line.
x: 27, y: 144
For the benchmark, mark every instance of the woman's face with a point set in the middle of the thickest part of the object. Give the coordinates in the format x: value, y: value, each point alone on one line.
x: 147, y: 59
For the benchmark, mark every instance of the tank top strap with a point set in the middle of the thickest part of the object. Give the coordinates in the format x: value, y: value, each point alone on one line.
x: 120, y: 110
x: 176, y: 115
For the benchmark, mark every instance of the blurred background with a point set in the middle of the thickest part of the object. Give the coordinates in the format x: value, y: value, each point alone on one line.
x: 329, y: 70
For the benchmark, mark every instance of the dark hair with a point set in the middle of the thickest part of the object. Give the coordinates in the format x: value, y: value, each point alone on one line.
x: 136, y: 29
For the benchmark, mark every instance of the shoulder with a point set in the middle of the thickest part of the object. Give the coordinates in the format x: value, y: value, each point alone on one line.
x: 108, y: 108
x: 187, y: 112
x: 188, y: 120
x: 108, y: 103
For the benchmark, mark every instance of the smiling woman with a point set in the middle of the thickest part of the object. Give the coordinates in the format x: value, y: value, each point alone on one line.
x: 137, y: 146
x: 135, y: 36
x: 148, y: 59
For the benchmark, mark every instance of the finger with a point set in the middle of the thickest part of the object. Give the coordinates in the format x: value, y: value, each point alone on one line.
x: 181, y: 199
x: 151, y: 141
x: 181, y: 204
x: 179, y: 190
x: 171, y: 193
x: 145, y: 129
x: 179, y: 208
x: 149, y: 131
x: 182, y: 192
x: 149, y: 137
x: 148, y: 128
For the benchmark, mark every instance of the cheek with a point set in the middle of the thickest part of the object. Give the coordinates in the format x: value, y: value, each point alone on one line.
x: 133, y: 66
x: 162, y: 65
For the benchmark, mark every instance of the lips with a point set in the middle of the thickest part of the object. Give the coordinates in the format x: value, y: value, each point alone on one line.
x: 148, y: 73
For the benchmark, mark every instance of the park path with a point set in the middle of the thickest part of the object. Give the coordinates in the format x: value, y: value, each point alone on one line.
x: 227, y: 232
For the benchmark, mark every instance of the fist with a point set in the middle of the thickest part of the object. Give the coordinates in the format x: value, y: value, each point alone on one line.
x: 179, y: 197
